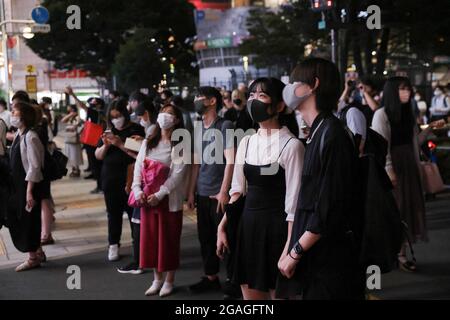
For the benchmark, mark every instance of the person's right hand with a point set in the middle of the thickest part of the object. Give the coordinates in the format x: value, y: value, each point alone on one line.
x: 191, y: 201
x: 222, y: 243
x: 30, y: 200
x: 68, y: 90
x: 105, y: 140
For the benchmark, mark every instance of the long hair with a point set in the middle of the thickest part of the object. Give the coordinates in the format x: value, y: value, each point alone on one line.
x: 154, y: 139
x: 391, y: 99
x: 120, y: 106
x: 273, y: 87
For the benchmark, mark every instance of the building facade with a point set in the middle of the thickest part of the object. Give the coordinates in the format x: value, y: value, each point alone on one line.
x: 221, y: 28
x: 50, y: 82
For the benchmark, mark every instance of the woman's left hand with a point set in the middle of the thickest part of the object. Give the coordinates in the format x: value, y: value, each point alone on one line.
x: 287, y: 266
x: 152, y: 200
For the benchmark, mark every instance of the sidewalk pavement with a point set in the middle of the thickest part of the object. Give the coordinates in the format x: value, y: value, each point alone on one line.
x: 80, y: 226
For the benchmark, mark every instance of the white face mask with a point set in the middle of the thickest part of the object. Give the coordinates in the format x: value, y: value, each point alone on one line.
x: 15, y: 122
x: 118, y: 123
x: 144, y: 123
x: 437, y: 92
x: 417, y: 97
x: 166, y: 120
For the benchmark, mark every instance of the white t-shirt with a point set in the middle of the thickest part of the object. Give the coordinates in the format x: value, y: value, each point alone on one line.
x: 265, y: 149
x: 356, y: 122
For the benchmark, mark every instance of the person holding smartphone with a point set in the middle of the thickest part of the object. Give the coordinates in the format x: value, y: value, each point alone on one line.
x: 117, y: 166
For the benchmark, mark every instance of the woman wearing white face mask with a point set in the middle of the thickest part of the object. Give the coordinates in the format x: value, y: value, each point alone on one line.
x: 161, y: 201
x: 26, y: 162
x: 117, y: 163
x: 267, y: 170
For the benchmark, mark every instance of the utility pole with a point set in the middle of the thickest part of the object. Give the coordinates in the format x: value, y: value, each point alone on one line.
x: 5, y: 50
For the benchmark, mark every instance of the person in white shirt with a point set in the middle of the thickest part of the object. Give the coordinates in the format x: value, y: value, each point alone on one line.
x: 5, y: 114
x: 27, y: 161
x: 162, y: 211
x: 440, y: 104
x: 267, y: 170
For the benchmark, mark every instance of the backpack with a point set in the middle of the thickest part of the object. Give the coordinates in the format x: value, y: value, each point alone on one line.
x: 381, y: 231
x: 55, y: 164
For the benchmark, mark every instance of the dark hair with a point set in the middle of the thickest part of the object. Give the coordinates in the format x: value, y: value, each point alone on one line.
x: 167, y: 93
x: 46, y: 112
x: 115, y: 93
x: 21, y: 96
x: 273, y: 87
x: 137, y: 95
x: 73, y: 107
x: 27, y: 113
x: 148, y: 106
x: 211, y: 92
x: 3, y: 103
x: 155, y: 138
x: 99, y: 101
x: 328, y: 90
x: 47, y: 100
x: 120, y: 106
x: 391, y: 98
x: 177, y: 101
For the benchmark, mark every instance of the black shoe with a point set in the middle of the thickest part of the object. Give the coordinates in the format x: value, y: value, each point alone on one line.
x: 132, y: 268
x: 205, y: 285
x: 91, y: 176
x: 87, y: 170
x: 96, y: 191
x: 232, y: 291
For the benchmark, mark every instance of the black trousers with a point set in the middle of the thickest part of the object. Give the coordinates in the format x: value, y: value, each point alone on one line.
x: 116, y: 201
x: 94, y: 164
x: 136, y: 235
x: 207, y: 222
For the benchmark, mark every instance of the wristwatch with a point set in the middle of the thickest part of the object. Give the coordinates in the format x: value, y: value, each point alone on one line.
x: 298, y: 249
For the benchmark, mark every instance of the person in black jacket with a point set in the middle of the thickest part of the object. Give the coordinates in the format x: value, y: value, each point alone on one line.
x: 323, y: 256
x: 116, y: 169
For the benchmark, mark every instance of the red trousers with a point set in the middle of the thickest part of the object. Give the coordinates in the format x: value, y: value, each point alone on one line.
x: 160, y: 238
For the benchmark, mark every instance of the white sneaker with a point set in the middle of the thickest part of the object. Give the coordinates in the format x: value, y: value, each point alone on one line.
x: 113, y: 252
x: 155, y: 287
x: 166, y: 289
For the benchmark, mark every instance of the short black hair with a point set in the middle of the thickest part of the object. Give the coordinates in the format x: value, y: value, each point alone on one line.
x: 211, y: 92
x: 167, y: 93
x: 21, y: 96
x: 121, y: 106
x: 147, y: 105
x: 273, y: 87
x: 3, y: 103
x: 115, y: 93
x: 137, y: 95
x: 47, y: 100
x: 328, y: 90
x: 177, y: 101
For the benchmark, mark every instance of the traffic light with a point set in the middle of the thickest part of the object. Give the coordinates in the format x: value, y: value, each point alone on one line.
x: 322, y: 5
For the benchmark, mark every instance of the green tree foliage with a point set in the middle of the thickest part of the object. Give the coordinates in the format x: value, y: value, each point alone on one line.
x: 418, y: 28
x: 107, y: 26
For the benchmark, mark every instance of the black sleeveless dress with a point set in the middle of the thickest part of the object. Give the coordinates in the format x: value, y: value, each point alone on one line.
x: 24, y: 227
x: 263, y: 228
